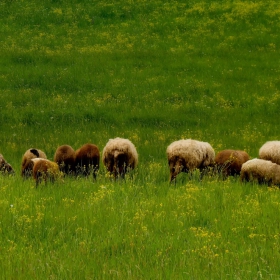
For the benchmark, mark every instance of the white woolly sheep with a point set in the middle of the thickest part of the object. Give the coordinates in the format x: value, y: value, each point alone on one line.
x: 5, y: 167
x: 260, y: 171
x: 188, y: 155
x: 65, y: 157
x: 27, y: 163
x: 87, y: 160
x: 270, y: 151
x: 229, y: 162
x: 119, y: 156
x: 44, y: 169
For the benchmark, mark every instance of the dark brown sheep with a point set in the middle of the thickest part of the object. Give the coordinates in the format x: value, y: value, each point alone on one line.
x: 65, y: 157
x: 5, y: 167
x: 87, y: 160
x: 44, y: 169
x: 27, y: 163
x: 229, y: 162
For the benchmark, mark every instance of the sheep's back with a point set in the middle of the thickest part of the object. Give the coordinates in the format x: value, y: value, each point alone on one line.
x: 87, y: 155
x: 231, y: 160
x: 45, y: 167
x: 270, y: 151
x: 120, y: 145
x: 260, y: 168
x: 26, y: 163
x: 64, y: 153
x: 195, y: 153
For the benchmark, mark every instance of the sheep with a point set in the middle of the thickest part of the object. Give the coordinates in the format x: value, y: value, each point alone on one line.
x: 44, y: 169
x: 187, y: 155
x: 5, y: 167
x: 229, y: 162
x: 261, y: 171
x: 87, y: 159
x: 119, y: 157
x: 65, y: 157
x: 27, y: 163
x: 270, y: 151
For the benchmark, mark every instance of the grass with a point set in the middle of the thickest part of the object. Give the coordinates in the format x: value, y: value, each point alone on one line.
x: 77, y: 229
x: 153, y: 72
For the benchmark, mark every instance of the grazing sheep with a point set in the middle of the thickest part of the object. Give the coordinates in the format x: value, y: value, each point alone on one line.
x: 270, y: 151
x: 229, y: 162
x: 187, y: 155
x: 44, y: 169
x: 65, y: 157
x: 261, y: 171
x: 87, y: 159
x: 119, y: 156
x: 5, y: 167
x: 27, y: 163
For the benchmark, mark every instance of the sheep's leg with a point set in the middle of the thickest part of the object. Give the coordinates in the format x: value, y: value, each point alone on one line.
x: 123, y: 175
x: 52, y: 178
x: 38, y: 178
x: 201, y: 176
x: 94, y: 174
x: 172, y: 178
x: 244, y: 176
x: 95, y: 171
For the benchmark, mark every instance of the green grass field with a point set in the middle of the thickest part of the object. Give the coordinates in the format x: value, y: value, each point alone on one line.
x: 153, y: 72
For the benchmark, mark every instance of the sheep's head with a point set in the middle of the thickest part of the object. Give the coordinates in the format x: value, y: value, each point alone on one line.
x: 5, y: 167
x: 176, y: 165
x: 120, y: 163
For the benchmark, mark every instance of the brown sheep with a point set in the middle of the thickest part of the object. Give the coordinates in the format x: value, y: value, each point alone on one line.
x: 186, y: 155
x: 5, y: 167
x: 119, y: 156
x: 229, y: 162
x: 44, y: 169
x: 87, y: 160
x: 65, y: 157
x: 27, y: 163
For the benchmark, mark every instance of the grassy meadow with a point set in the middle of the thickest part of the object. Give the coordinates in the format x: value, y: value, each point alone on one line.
x: 73, y: 72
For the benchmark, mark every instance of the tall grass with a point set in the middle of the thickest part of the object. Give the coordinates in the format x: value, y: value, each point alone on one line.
x: 77, y: 229
x: 153, y: 72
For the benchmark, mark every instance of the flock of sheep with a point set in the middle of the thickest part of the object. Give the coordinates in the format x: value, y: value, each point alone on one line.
x: 187, y: 155
x: 119, y: 156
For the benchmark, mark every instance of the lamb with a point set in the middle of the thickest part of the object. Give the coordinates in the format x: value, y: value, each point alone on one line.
x: 65, y: 157
x: 187, y: 155
x: 261, y: 171
x: 27, y: 163
x: 229, y: 162
x: 5, y: 167
x: 270, y: 151
x: 87, y: 160
x: 44, y: 169
x: 119, y: 157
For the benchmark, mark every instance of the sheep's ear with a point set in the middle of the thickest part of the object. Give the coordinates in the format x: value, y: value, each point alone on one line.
x: 35, y: 152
